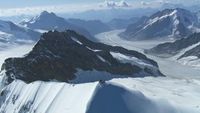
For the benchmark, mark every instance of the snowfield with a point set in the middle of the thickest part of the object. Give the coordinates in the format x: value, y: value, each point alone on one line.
x: 51, y: 97
x: 168, y: 66
x: 190, y: 60
x: 132, y: 95
x: 14, y: 51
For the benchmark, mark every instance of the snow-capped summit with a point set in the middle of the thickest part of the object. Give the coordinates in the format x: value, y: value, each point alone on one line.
x: 70, y: 57
x: 50, y: 21
x: 46, y: 21
x: 173, y: 23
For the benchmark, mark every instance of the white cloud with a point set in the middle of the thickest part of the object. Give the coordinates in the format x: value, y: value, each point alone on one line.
x: 72, y: 8
x: 66, y: 8
x: 113, y: 4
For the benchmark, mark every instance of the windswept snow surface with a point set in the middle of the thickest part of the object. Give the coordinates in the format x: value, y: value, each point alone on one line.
x: 132, y: 95
x: 167, y: 66
x: 180, y: 89
x: 49, y: 97
x: 14, y: 51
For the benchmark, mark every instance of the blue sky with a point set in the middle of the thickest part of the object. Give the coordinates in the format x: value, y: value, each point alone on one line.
x: 27, y: 3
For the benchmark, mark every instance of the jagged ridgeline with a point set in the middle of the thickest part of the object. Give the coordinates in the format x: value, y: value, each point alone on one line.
x: 61, y: 55
x: 166, y: 24
x: 173, y: 48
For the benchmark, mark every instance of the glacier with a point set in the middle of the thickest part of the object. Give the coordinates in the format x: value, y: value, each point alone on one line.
x: 176, y: 93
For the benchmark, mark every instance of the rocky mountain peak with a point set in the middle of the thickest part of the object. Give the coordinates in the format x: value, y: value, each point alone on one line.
x: 61, y: 55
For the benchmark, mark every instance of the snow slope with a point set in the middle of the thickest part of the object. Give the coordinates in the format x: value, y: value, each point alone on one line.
x: 193, y: 61
x: 141, y: 95
x: 167, y: 66
x: 184, y: 51
x: 49, y: 97
x: 168, y: 23
x: 15, y: 51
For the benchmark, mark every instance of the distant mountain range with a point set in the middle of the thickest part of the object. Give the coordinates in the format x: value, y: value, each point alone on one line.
x: 93, y: 26
x: 118, y: 23
x: 62, y: 55
x: 108, y: 14
x: 50, y: 21
x: 11, y: 33
x: 165, y: 24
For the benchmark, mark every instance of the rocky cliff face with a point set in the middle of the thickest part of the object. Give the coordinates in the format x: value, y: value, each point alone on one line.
x: 60, y: 55
x: 169, y: 23
x: 193, y: 52
x: 173, y: 48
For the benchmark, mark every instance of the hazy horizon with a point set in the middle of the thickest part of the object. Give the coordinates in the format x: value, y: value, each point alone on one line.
x: 19, y: 7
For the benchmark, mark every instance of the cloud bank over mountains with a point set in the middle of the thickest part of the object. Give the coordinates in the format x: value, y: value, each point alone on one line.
x: 74, y: 8
x: 113, y: 4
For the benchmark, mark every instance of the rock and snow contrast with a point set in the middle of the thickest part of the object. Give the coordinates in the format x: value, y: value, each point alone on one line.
x: 133, y: 95
x: 66, y: 56
x: 40, y: 23
x: 185, y: 51
x: 87, y: 28
x: 50, y: 64
x: 11, y: 33
x: 61, y: 57
x: 129, y: 95
x: 166, y: 24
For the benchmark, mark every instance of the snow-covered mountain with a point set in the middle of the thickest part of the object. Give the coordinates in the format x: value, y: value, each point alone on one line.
x: 50, y: 21
x: 12, y: 33
x: 70, y: 57
x: 141, y: 95
x: 168, y: 23
x: 186, y: 50
x: 108, y: 14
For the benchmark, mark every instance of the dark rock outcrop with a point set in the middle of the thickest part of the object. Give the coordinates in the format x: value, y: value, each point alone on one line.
x: 59, y: 55
x: 172, y: 48
x: 193, y: 52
